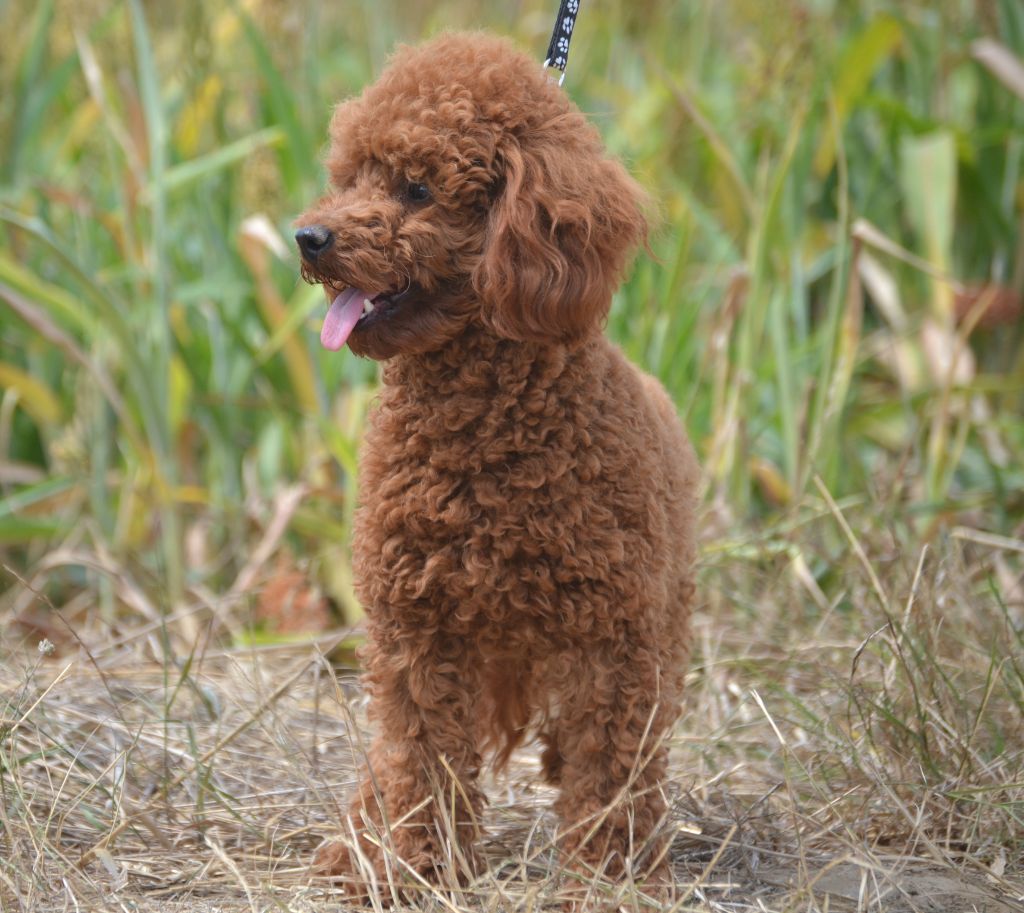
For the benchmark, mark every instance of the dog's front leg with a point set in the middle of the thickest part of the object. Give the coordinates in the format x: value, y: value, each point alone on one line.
x: 416, y: 810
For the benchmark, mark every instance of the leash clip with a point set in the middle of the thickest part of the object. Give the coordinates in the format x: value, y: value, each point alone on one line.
x: 561, y: 75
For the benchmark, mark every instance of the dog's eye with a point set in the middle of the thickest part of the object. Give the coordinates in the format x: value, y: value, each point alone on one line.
x: 418, y: 193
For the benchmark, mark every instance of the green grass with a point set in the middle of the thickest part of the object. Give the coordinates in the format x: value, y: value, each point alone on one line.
x: 836, y: 184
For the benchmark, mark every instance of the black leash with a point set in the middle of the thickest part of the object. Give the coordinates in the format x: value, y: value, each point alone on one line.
x: 558, y: 47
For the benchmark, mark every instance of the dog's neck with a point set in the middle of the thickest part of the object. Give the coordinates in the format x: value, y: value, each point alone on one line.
x: 480, y: 362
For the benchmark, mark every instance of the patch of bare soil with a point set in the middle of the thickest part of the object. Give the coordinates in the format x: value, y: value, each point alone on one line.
x: 903, y: 889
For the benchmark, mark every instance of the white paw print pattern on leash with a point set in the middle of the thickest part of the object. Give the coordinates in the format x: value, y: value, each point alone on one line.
x: 558, y: 47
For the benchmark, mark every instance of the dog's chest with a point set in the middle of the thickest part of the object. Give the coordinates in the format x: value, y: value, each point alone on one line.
x: 493, y: 502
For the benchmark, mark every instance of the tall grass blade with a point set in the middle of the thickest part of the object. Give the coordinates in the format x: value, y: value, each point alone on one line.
x: 158, y: 330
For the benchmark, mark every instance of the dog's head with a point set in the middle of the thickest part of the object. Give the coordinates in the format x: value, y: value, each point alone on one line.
x: 466, y: 189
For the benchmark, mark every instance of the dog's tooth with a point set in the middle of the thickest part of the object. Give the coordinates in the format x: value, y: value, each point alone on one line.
x: 367, y: 306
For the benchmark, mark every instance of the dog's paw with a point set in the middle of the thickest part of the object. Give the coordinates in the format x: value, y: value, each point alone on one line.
x: 333, y: 861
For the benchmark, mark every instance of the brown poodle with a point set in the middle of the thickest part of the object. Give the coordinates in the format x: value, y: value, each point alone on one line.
x: 525, y: 538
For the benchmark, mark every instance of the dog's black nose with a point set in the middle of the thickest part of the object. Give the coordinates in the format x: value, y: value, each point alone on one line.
x: 313, y: 240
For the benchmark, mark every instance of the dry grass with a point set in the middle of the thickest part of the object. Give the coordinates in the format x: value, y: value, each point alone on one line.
x: 855, y: 745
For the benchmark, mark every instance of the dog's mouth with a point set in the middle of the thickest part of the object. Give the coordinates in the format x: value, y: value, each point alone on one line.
x: 352, y: 307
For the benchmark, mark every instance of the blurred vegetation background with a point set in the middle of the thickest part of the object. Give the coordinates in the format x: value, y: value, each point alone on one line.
x: 833, y: 300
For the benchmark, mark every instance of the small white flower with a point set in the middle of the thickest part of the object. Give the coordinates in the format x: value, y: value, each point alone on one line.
x: 46, y: 647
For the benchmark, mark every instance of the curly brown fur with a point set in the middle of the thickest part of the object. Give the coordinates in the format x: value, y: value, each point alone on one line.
x: 524, y: 542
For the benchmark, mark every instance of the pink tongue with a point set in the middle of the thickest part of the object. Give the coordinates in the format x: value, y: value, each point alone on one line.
x: 342, y: 317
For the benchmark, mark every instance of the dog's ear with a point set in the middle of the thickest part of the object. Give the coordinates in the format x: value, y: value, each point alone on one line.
x: 559, y: 235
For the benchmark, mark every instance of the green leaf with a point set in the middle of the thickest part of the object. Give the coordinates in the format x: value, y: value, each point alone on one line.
x: 27, y: 88
x: 203, y: 166
x: 30, y: 495
x: 928, y: 178
x: 21, y: 530
x: 38, y: 400
x: 297, y: 153
x: 56, y: 301
x: 857, y: 65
